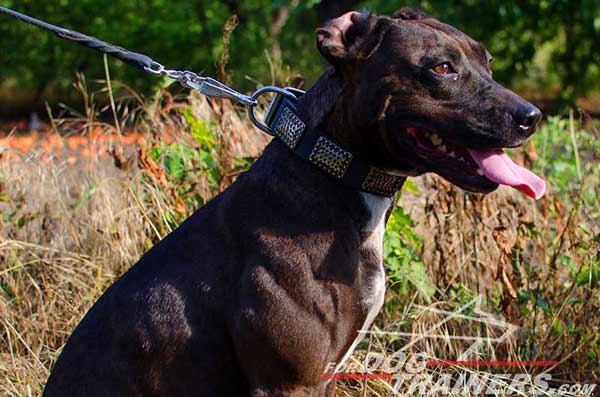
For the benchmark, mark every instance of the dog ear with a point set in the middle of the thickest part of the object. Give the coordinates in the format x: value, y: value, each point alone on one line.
x: 335, y: 39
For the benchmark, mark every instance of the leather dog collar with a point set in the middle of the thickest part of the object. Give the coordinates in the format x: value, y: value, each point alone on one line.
x: 284, y: 123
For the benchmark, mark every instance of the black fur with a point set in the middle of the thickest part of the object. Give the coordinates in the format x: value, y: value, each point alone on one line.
x: 258, y: 291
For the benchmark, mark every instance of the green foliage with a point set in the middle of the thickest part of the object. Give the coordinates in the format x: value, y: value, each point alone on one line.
x: 174, y: 158
x: 405, y: 269
x: 536, y: 297
x: 178, y: 159
x: 201, y: 130
x: 180, y: 34
x: 188, y: 165
x: 567, y: 158
x: 589, y: 275
x: 549, y: 45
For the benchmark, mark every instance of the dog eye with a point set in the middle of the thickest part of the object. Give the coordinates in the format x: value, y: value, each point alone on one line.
x: 444, y: 68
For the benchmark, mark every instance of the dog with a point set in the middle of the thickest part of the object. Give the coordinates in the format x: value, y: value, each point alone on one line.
x: 259, y: 291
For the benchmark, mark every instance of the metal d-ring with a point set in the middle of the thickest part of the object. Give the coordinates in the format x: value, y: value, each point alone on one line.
x: 278, y: 91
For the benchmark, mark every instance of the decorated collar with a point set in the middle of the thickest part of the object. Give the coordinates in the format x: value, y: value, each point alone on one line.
x: 283, y: 121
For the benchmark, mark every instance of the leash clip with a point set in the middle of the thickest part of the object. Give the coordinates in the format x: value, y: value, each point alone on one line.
x: 206, y: 85
x: 211, y: 87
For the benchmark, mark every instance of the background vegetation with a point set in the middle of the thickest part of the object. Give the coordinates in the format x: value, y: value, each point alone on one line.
x: 101, y: 199
x: 549, y: 48
x: 84, y: 197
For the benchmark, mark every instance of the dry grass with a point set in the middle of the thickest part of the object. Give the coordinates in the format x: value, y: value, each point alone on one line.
x: 475, y: 246
x: 67, y: 232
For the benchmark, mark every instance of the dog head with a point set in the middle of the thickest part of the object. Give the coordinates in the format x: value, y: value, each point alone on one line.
x: 419, y: 96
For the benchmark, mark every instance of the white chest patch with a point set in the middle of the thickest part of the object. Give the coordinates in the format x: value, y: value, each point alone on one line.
x: 373, y: 293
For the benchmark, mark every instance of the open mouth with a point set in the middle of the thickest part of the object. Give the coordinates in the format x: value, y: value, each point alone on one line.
x: 480, y: 170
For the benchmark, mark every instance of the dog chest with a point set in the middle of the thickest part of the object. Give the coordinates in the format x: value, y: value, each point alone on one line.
x: 373, y: 274
x: 373, y: 289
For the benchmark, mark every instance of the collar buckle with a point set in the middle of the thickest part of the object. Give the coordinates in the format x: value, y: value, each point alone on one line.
x: 289, y: 95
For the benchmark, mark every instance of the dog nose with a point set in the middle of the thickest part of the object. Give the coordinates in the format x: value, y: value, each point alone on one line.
x: 528, y: 117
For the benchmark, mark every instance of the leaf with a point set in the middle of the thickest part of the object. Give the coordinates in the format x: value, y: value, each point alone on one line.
x: 411, y: 186
x: 420, y: 278
x: 589, y: 275
x: 174, y: 165
x: 544, y: 305
x: 201, y: 131
x: 404, y: 266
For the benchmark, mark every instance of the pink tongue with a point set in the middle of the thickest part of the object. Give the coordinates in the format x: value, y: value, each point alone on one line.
x: 499, y: 168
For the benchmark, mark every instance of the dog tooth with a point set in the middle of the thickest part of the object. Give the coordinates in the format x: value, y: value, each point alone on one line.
x: 461, y: 159
x: 480, y: 172
x: 452, y: 154
x: 442, y: 148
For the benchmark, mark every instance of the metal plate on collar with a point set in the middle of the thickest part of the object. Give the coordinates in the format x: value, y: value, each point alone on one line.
x: 330, y: 157
x: 289, y: 128
x: 382, y: 183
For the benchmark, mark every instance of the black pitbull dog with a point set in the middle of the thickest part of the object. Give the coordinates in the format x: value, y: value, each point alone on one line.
x: 258, y: 292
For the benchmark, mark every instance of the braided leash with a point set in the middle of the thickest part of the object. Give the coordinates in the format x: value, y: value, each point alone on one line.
x: 205, y: 85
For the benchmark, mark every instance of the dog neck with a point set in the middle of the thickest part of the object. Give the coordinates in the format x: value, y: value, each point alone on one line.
x: 296, y: 179
x: 317, y: 110
x: 328, y: 106
x: 309, y: 128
